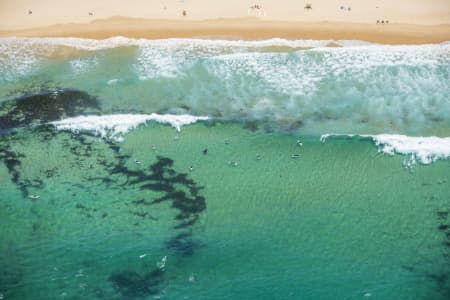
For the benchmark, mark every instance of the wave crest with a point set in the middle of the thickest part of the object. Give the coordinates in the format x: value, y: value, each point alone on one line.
x: 114, y: 126
x: 424, y: 149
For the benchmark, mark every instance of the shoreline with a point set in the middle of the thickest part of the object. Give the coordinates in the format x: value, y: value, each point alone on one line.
x: 241, y: 28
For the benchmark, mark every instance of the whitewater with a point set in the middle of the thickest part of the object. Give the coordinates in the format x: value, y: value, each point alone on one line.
x: 359, y: 87
x: 300, y: 87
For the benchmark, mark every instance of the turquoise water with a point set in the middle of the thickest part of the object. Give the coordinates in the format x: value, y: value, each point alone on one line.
x: 232, y: 207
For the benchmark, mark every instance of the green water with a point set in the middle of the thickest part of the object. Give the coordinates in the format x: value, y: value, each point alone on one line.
x: 340, y: 222
x: 232, y: 207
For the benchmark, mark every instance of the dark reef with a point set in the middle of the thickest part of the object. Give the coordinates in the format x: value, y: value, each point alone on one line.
x: 38, y: 109
x: 44, y: 107
x: 441, y: 273
x: 183, y: 194
x: 133, y: 285
x: 84, y: 152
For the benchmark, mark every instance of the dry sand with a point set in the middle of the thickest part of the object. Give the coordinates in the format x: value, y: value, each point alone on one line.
x: 410, y: 21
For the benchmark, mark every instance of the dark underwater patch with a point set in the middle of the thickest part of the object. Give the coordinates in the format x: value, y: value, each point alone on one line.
x: 183, y: 244
x: 180, y: 191
x: 37, y: 109
x: 442, y: 214
x: 183, y: 194
x: 176, y: 188
x: 11, y: 268
x: 442, y: 277
x: 251, y: 125
x: 45, y: 106
x: 133, y: 285
x: 12, y: 161
x: 441, y: 274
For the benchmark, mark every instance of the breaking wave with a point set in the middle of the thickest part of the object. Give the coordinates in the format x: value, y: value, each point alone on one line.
x: 114, y: 126
x: 423, y: 149
x: 288, y: 84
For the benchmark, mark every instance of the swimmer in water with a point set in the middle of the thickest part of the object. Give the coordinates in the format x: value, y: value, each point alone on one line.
x: 153, y: 147
x: 295, y: 155
x: 137, y: 161
x: 233, y: 163
x: 205, y: 151
x: 258, y: 156
x: 34, y: 197
x: 191, y: 168
x: 227, y: 142
x: 299, y: 143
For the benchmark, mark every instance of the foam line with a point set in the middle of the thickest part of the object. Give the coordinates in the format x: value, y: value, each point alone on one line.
x: 424, y: 149
x: 119, y: 41
x: 114, y: 126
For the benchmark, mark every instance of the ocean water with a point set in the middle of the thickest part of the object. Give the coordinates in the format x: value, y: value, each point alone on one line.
x: 207, y: 169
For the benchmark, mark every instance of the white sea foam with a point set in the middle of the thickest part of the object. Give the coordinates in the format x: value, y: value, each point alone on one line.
x: 93, y: 45
x: 112, y: 81
x: 115, y: 126
x: 82, y: 65
x: 119, y: 41
x: 153, y: 62
x: 164, y: 57
x: 424, y: 149
x: 358, y: 87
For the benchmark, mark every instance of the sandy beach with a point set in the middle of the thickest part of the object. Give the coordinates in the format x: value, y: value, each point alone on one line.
x: 399, y: 22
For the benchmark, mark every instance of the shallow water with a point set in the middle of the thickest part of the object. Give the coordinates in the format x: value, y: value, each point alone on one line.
x: 153, y: 215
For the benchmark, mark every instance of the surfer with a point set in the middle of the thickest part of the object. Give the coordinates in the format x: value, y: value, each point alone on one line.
x: 299, y: 143
x: 233, y: 163
x: 258, y: 156
x: 227, y: 142
x: 34, y: 197
x: 191, y: 168
x: 137, y: 161
x: 295, y: 155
